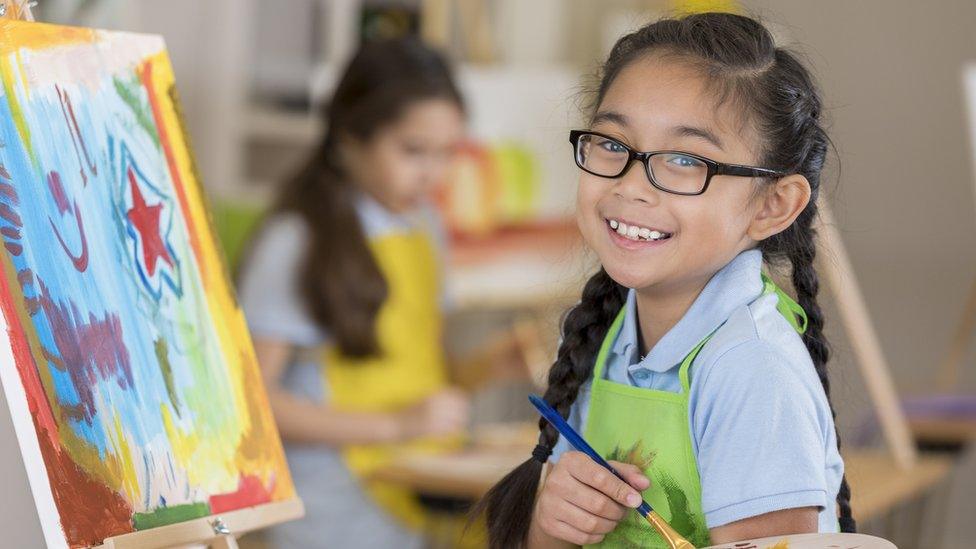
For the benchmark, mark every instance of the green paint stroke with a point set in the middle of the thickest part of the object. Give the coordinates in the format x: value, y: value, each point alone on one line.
x: 165, y: 368
x: 170, y: 515
x: 129, y: 92
x: 683, y: 517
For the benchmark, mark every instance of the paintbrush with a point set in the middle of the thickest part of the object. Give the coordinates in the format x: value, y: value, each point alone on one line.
x: 674, y: 539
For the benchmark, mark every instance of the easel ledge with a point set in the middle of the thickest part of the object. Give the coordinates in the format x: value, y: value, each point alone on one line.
x: 206, y: 530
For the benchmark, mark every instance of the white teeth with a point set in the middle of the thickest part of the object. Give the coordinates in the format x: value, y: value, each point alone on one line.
x: 636, y: 233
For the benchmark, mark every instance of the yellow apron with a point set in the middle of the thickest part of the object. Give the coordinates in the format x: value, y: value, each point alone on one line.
x: 411, y: 366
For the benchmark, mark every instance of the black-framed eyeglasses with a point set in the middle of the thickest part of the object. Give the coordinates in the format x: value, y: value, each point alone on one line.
x: 675, y: 172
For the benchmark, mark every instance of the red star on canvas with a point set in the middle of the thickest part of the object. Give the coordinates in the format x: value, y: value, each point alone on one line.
x: 145, y: 219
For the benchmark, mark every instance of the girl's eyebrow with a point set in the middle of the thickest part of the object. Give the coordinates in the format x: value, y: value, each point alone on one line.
x: 678, y: 131
x: 610, y: 116
x: 702, y: 133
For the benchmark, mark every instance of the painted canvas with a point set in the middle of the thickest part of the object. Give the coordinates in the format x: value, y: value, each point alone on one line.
x: 130, y: 374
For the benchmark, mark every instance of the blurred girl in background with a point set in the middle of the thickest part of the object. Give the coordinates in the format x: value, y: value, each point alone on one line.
x: 348, y: 265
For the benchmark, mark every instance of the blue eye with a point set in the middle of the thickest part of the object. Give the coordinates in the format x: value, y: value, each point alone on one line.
x: 684, y: 161
x: 612, y: 146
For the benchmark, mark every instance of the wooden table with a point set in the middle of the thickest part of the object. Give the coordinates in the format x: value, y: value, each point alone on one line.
x: 877, y: 483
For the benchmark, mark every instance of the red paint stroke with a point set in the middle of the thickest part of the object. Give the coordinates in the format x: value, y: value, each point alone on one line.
x: 89, y: 510
x: 37, y: 402
x: 76, y: 138
x: 57, y: 191
x: 89, y: 349
x: 4, y: 173
x: 10, y: 232
x: 7, y: 213
x: 14, y: 248
x: 249, y: 492
x: 7, y: 191
x: 145, y: 219
x: 80, y: 261
x: 147, y: 81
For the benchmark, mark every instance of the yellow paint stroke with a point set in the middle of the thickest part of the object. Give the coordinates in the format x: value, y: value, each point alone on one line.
x: 258, y: 448
x: 781, y: 544
x: 130, y: 482
x: 18, y: 35
x: 204, y: 463
x: 9, y: 74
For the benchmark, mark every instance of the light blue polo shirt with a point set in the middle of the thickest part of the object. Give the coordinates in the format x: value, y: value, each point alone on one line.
x: 762, y: 431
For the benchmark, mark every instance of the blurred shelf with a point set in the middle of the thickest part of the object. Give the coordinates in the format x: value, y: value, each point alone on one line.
x: 265, y: 122
x: 533, y: 267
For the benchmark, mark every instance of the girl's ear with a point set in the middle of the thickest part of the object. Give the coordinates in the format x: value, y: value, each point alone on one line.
x: 779, y: 205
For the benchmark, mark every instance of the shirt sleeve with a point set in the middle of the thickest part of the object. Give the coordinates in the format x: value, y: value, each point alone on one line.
x: 269, y: 291
x: 759, y: 424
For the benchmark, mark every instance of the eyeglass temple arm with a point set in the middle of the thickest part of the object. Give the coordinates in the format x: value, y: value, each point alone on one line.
x: 745, y: 171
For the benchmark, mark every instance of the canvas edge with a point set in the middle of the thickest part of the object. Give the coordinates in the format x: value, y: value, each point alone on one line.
x: 30, y: 449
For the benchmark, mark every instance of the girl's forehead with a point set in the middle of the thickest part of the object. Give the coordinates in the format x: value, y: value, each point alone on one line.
x: 656, y: 94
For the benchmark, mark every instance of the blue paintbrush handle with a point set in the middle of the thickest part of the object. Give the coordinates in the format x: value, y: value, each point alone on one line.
x: 557, y: 421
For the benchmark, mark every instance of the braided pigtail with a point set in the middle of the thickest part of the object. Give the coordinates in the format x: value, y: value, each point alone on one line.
x: 508, y: 506
x: 807, y: 285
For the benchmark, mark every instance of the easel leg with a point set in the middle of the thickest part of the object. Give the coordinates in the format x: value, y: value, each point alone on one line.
x: 864, y: 341
x: 949, y: 371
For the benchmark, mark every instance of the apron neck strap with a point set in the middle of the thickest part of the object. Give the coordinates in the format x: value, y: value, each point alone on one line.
x: 790, y: 309
x: 608, y: 341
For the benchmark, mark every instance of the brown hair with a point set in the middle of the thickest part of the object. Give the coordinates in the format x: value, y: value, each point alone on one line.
x: 340, y: 281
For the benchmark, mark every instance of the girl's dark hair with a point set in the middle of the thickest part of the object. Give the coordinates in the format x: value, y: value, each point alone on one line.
x: 776, y: 93
x: 340, y: 281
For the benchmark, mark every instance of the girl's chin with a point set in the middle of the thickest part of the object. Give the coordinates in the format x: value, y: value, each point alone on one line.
x: 630, y: 276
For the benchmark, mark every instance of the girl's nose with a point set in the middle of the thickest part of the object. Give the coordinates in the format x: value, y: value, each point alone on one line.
x: 633, y: 185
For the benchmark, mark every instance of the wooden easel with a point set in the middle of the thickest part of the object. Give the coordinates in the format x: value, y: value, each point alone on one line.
x: 215, y: 531
x: 835, y: 264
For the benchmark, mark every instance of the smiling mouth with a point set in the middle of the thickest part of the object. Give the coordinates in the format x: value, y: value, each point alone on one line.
x: 636, y: 232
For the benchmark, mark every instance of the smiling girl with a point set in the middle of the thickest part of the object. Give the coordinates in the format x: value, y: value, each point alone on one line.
x: 683, y: 363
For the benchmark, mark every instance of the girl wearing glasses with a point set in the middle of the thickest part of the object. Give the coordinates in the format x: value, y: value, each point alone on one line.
x: 347, y: 267
x: 704, y: 382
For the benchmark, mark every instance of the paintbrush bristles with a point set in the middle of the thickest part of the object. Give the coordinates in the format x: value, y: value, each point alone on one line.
x: 674, y: 539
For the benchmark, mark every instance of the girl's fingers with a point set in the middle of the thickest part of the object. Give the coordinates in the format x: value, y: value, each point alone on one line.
x: 593, y: 501
x: 587, y: 471
x: 632, y: 474
x: 584, y: 521
x: 567, y: 532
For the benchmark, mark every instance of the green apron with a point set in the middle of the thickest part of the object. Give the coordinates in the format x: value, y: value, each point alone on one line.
x: 650, y: 429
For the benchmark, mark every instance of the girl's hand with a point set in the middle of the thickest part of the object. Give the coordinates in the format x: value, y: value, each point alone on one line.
x: 444, y: 413
x: 581, y: 501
